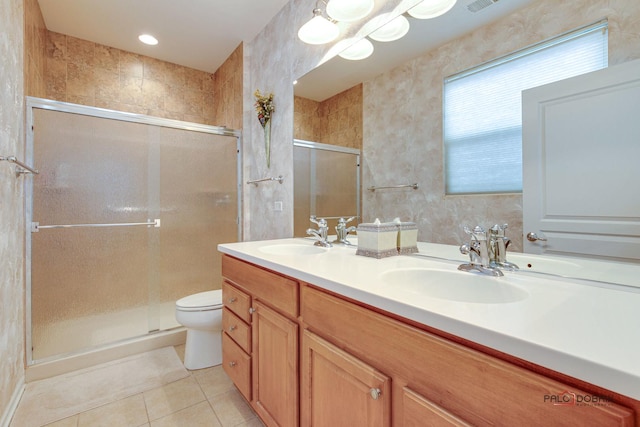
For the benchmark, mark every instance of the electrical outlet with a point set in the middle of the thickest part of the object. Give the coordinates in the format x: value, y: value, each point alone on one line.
x: 277, y: 206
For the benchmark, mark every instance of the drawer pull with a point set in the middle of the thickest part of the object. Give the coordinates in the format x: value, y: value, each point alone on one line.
x: 232, y: 300
x: 252, y: 310
x: 232, y: 328
x: 232, y: 364
x: 375, y: 393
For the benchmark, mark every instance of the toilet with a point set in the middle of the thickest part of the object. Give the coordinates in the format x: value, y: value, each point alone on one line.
x: 201, y: 314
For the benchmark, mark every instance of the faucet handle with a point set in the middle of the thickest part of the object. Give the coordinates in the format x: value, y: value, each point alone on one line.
x: 321, y: 222
x: 343, y: 221
x: 478, y: 233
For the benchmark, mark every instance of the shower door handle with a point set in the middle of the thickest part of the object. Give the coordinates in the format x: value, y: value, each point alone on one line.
x: 35, y: 226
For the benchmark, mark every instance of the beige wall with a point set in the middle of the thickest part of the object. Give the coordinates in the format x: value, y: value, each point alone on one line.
x: 11, y: 206
x: 336, y: 120
x: 403, y: 122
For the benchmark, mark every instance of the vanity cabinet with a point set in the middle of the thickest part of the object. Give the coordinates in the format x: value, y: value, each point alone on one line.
x: 315, y: 358
x: 260, y: 340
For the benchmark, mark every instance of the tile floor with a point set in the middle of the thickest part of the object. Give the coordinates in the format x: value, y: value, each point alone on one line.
x: 205, y: 398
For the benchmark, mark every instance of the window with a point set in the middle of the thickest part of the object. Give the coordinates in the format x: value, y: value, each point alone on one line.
x: 483, y: 114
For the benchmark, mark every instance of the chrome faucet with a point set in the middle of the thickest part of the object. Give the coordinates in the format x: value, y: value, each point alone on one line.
x: 478, y: 251
x: 342, y: 231
x: 498, y: 244
x: 321, y: 232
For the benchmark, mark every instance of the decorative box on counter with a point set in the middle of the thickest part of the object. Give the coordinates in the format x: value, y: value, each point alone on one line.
x: 378, y: 239
x: 407, y: 237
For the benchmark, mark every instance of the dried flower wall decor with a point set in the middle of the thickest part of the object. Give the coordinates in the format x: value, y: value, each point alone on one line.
x: 265, y: 108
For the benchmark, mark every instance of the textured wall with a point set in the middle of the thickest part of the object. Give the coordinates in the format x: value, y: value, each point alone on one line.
x: 11, y: 204
x: 336, y: 121
x: 403, y: 117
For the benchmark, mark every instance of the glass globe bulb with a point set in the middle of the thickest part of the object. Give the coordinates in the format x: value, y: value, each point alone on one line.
x: 349, y: 10
x: 318, y: 30
x: 359, y: 50
x: 431, y: 8
x: 392, y: 30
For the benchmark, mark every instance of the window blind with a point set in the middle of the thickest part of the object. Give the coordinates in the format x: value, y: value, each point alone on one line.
x: 482, y: 111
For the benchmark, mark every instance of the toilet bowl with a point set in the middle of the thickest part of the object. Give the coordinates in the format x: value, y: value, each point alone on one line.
x: 201, y: 314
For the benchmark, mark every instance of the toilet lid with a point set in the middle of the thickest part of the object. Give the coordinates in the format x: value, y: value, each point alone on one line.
x: 203, y: 300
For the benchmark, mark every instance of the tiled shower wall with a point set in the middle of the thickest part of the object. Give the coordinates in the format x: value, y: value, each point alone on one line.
x: 336, y: 120
x: 65, y: 68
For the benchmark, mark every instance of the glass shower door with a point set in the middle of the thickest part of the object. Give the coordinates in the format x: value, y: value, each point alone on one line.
x: 93, y: 171
x: 126, y: 220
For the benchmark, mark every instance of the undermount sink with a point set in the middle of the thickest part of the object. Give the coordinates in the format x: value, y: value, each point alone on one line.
x: 292, y: 249
x: 452, y: 285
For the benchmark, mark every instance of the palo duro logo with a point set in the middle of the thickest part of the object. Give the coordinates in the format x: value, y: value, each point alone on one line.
x: 565, y: 398
x: 569, y: 398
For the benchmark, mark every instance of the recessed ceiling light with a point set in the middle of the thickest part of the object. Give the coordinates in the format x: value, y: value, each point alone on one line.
x: 148, y: 39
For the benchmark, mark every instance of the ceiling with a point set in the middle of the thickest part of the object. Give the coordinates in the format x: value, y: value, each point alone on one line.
x: 199, y: 34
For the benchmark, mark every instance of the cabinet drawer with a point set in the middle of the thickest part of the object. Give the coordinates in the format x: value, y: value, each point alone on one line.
x: 418, y: 411
x: 237, y: 329
x: 277, y: 291
x: 237, y: 364
x: 237, y: 301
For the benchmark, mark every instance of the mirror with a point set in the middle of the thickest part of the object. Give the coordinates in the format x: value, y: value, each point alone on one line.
x: 326, y: 184
x: 440, y: 218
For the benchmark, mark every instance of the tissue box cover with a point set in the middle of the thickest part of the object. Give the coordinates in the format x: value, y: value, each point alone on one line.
x: 407, y: 238
x: 377, y: 240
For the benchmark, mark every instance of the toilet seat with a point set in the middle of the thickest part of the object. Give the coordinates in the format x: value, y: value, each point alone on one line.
x: 203, y: 301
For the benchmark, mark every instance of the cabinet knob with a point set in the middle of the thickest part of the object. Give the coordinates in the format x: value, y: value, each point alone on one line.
x: 232, y: 364
x: 232, y: 300
x: 252, y: 310
x: 232, y: 328
x: 375, y: 393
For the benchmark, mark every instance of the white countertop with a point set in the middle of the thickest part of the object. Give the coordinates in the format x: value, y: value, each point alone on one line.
x: 585, y: 330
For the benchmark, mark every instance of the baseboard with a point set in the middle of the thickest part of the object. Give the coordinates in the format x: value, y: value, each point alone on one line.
x: 5, y: 420
x: 74, y: 362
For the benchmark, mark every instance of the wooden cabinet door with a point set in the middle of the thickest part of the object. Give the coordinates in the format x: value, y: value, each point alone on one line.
x: 418, y: 411
x: 339, y: 390
x: 275, y: 367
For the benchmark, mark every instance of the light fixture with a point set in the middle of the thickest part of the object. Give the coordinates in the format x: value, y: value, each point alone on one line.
x: 359, y: 50
x: 392, y: 30
x: 148, y: 39
x: 428, y: 9
x: 318, y: 30
x: 349, y: 10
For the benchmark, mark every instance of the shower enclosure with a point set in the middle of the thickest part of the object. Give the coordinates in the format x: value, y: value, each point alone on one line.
x: 124, y: 219
x: 326, y: 183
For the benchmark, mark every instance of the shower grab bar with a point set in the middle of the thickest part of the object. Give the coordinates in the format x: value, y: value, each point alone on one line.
x: 35, y: 226
x: 255, y: 182
x: 23, y: 168
x: 414, y: 186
